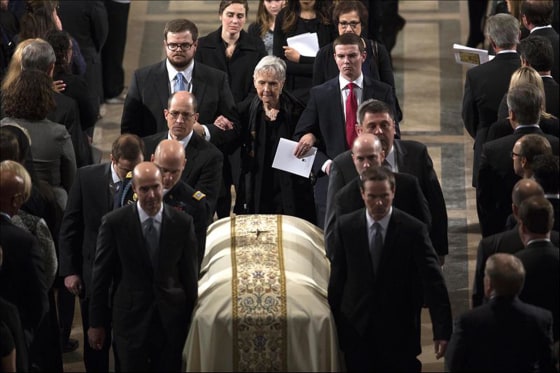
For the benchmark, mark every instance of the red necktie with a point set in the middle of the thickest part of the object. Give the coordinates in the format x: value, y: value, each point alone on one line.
x: 351, y: 109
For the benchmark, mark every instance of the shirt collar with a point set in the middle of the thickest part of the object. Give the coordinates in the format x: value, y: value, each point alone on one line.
x: 384, y: 222
x: 507, y: 51
x: 114, y: 176
x: 172, y: 72
x: 538, y: 240
x: 539, y: 28
x: 185, y: 141
x: 391, y: 159
x: 143, y: 215
x: 343, y: 82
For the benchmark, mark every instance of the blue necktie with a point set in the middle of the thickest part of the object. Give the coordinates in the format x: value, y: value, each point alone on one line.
x: 179, y: 83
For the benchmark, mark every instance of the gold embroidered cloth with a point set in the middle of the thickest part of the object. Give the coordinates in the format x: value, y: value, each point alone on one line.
x: 275, y: 271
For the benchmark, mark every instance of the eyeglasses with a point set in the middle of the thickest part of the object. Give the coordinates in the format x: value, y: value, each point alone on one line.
x: 174, y: 46
x: 185, y: 115
x: 352, y: 24
x: 513, y: 155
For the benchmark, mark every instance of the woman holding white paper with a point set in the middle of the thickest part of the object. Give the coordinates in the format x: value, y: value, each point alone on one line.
x: 302, y: 17
x: 272, y: 115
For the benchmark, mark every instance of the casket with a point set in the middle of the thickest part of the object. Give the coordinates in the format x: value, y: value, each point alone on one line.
x: 262, y: 299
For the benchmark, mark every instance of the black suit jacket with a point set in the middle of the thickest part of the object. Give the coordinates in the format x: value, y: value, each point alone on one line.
x: 504, y: 335
x: 377, y: 310
x: 504, y: 242
x: 485, y: 86
x: 554, y: 38
x: 496, y: 179
x: 502, y: 128
x: 412, y: 158
x: 203, y: 170
x: 324, y: 117
x: 408, y: 197
x: 89, y: 199
x: 22, y: 276
x: 239, y: 68
x: 149, y: 91
x: 541, y: 260
x: 140, y: 290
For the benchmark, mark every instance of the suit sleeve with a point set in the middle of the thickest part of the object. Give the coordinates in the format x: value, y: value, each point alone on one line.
x: 469, y: 112
x: 67, y: 162
x: 37, y: 289
x: 189, y: 266
x: 336, y: 182
x: 422, y: 208
x: 337, y: 282
x: 457, y: 349
x: 210, y: 179
x: 100, y: 24
x: 226, y: 141
x: 131, y: 121
x: 478, y: 283
x: 71, y: 234
x: 103, y: 271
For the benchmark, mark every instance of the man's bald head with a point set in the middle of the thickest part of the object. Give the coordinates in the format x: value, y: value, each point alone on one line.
x: 147, y: 184
x: 12, y: 187
x: 367, y: 151
x: 524, y: 189
x: 169, y: 157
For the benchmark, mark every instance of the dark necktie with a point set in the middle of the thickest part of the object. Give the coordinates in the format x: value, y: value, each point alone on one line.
x: 351, y: 110
x: 375, y: 246
x: 117, y: 194
x: 152, y: 237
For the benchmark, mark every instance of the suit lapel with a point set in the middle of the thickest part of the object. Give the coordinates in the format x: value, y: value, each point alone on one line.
x: 336, y: 109
x: 198, y: 86
x: 401, y: 154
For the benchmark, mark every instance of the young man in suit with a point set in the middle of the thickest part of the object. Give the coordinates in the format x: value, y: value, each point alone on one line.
x: 367, y: 151
x: 505, y: 334
x: 383, y: 270
x: 403, y: 156
x: 203, y: 171
x: 93, y: 194
x: 330, y: 115
x: 146, y: 267
x: 537, y: 17
x: 496, y: 176
x: 541, y: 258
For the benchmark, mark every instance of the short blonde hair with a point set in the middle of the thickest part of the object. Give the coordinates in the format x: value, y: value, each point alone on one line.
x: 528, y: 75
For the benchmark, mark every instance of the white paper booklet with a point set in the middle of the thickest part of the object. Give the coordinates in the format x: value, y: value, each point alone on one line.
x: 470, y: 56
x: 285, y: 159
x: 306, y: 44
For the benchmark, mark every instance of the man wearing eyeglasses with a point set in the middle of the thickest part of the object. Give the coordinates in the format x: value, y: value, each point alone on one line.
x: 152, y: 85
x: 203, y: 170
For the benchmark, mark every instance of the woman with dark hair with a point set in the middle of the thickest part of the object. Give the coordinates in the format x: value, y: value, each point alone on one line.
x: 76, y: 86
x: 351, y: 17
x: 273, y: 115
x: 263, y: 27
x: 40, y: 17
x: 27, y: 102
x: 302, y: 17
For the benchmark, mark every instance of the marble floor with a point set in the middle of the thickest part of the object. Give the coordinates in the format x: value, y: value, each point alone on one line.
x: 429, y: 86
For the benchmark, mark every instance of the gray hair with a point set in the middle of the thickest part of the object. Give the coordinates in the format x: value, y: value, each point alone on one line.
x: 506, y: 274
x: 504, y: 30
x: 271, y: 64
x: 373, y: 106
x: 526, y: 101
x: 38, y: 55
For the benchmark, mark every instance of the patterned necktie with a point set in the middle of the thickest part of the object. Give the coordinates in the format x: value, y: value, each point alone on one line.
x: 351, y: 110
x: 117, y: 194
x: 179, y: 83
x: 151, y: 236
x: 376, y: 245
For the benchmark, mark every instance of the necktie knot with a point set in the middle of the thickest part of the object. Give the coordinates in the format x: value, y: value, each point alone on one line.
x: 180, y: 82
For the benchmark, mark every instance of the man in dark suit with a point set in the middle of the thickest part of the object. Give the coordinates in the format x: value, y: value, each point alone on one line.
x: 505, y: 334
x: 496, y: 174
x: 92, y: 195
x: 152, y: 85
x: 203, y: 170
x: 537, y: 18
x: 486, y: 84
x: 383, y: 270
x: 545, y: 172
x: 504, y: 242
x: 541, y: 258
x: 367, y: 151
x: 86, y: 20
x: 325, y: 116
x: 22, y: 277
x: 402, y: 156
x: 146, y: 267
x: 170, y: 158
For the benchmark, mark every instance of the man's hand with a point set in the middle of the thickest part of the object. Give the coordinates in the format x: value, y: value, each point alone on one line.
x: 440, y: 346
x: 73, y: 283
x: 304, y: 145
x: 96, y: 337
x: 223, y: 123
x: 197, y: 127
x: 441, y: 260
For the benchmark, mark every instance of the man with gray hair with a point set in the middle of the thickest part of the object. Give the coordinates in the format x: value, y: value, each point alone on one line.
x: 505, y: 334
x: 485, y: 85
